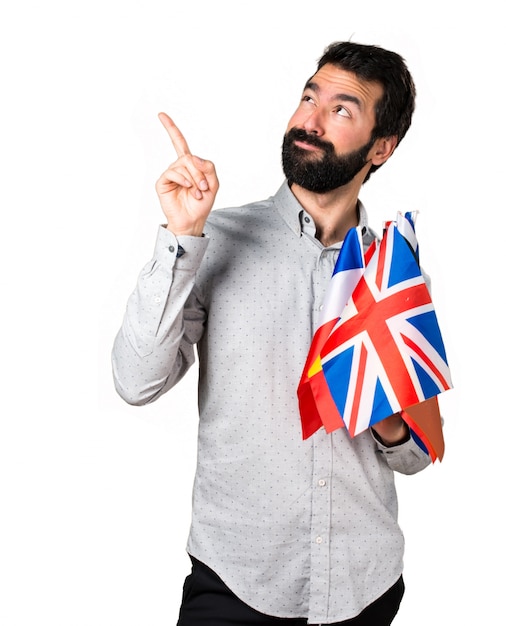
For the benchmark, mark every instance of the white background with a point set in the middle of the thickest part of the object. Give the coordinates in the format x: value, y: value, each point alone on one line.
x: 95, y: 495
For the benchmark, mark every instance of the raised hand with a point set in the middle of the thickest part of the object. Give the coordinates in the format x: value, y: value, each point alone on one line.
x: 188, y: 188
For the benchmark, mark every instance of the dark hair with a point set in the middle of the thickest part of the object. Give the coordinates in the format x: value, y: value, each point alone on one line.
x: 372, y: 63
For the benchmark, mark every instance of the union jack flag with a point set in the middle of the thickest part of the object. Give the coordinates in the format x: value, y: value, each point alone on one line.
x: 384, y: 353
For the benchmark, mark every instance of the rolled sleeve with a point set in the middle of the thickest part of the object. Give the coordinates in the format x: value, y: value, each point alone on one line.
x: 406, y: 458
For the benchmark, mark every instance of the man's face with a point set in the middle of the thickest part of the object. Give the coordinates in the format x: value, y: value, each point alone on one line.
x: 328, y: 139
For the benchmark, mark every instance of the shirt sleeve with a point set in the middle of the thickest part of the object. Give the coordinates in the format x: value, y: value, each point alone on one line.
x: 164, y: 318
x: 406, y: 458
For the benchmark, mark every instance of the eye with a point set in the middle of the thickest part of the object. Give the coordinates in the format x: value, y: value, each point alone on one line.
x: 340, y: 110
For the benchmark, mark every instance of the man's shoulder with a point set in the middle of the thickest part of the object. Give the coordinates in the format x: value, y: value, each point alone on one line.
x: 251, y: 217
x: 258, y: 213
x: 233, y: 212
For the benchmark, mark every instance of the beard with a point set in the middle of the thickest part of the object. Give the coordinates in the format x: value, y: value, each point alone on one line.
x: 324, y: 173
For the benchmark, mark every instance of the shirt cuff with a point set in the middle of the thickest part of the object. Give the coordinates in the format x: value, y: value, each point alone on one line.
x: 400, y: 449
x: 384, y: 448
x: 184, y: 252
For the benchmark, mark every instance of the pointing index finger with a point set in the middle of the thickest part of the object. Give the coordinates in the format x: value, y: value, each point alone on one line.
x: 176, y: 136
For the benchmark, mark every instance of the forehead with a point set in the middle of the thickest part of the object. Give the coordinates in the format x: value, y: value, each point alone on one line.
x: 334, y: 82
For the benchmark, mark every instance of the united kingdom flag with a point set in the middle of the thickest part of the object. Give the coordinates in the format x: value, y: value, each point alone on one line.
x: 384, y: 353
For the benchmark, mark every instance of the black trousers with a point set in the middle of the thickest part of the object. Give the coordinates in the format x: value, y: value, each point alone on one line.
x: 207, y: 601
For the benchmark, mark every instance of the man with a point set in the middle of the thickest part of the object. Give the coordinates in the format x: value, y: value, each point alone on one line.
x: 283, y: 529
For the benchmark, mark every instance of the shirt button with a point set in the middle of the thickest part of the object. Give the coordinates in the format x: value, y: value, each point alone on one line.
x: 171, y: 249
x: 307, y: 220
x: 319, y: 540
x: 157, y: 299
x: 322, y: 482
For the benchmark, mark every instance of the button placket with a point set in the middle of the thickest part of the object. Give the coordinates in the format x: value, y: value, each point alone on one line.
x: 320, y: 523
x: 322, y: 468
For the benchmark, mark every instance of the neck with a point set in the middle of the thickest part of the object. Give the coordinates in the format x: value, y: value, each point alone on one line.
x: 334, y: 213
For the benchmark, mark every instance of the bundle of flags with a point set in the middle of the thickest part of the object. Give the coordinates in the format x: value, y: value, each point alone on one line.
x: 378, y: 349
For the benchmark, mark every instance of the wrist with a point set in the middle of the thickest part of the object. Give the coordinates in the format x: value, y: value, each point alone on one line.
x: 192, y: 232
x: 392, y: 432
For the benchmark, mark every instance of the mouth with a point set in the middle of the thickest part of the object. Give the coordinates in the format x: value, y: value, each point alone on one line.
x: 306, y: 146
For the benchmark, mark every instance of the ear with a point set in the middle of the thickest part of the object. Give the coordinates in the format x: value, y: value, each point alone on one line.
x: 383, y: 149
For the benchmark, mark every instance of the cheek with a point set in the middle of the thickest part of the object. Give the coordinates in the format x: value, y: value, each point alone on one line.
x: 347, y: 139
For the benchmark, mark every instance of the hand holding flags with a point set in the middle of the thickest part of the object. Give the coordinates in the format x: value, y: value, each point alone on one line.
x: 378, y: 349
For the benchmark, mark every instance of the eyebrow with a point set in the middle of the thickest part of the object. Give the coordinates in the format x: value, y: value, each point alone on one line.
x: 338, y: 96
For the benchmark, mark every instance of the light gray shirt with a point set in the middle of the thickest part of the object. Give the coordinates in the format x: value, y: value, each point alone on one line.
x: 295, y: 528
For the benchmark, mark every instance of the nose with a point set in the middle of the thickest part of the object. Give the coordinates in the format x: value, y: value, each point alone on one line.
x: 313, y: 123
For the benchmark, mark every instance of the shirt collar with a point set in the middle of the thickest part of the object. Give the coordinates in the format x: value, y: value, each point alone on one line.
x: 293, y: 213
